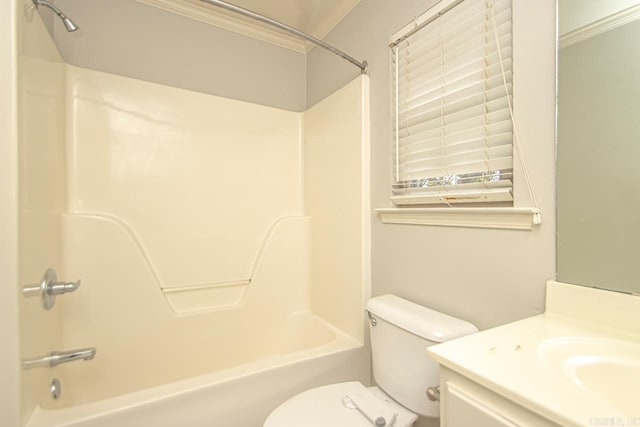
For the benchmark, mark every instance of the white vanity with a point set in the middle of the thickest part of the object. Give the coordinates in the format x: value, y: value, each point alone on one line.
x: 578, y: 364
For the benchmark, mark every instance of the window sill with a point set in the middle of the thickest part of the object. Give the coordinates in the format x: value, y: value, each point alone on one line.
x: 501, y: 218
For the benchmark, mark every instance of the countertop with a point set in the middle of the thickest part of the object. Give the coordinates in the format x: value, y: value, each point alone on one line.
x: 507, y: 359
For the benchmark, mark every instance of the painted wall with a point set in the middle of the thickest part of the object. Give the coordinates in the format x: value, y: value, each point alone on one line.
x: 135, y: 40
x: 597, y: 200
x: 488, y: 277
x: 10, y: 356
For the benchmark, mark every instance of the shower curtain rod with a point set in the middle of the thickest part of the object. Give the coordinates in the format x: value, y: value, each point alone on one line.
x: 246, y: 12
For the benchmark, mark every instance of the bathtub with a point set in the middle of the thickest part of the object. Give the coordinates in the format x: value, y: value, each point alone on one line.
x: 309, y: 352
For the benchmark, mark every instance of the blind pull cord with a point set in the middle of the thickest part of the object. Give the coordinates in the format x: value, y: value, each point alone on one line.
x: 537, y: 216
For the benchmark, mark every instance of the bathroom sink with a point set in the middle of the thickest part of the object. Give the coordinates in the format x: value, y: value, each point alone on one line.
x: 609, y: 369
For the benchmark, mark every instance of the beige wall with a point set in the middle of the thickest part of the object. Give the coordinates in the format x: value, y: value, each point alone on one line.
x: 598, y: 200
x: 9, y: 357
x: 135, y: 40
x: 488, y: 277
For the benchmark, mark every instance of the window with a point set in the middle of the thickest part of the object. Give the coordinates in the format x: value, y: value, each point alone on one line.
x: 453, y: 132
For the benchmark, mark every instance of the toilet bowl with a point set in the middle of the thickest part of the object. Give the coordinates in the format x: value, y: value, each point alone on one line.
x: 400, y: 333
x: 330, y: 406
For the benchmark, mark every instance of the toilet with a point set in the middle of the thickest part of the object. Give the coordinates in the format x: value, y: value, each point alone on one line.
x: 400, y: 333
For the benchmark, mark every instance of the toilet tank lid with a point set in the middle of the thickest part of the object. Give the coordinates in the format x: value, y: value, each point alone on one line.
x: 422, y: 321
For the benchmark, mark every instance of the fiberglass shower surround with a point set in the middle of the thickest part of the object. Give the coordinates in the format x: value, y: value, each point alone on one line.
x: 228, y: 288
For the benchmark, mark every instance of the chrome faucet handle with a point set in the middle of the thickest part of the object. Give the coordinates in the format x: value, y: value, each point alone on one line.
x: 49, y: 287
x: 57, y: 288
x: 55, y: 358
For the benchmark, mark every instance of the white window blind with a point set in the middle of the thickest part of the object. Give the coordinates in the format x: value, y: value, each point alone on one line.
x: 452, y: 125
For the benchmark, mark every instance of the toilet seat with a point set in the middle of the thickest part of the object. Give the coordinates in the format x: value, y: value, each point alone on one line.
x: 323, y: 406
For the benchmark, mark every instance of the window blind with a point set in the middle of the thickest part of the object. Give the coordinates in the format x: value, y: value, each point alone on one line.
x: 452, y: 125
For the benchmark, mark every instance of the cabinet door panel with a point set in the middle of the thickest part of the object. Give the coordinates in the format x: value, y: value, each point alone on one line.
x: 463, y: 410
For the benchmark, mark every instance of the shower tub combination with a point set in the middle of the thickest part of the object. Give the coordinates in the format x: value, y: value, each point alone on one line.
x: 239, y: 396
x: 223, y: 246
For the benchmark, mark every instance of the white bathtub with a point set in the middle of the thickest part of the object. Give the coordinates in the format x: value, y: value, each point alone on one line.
x: 241, y: 396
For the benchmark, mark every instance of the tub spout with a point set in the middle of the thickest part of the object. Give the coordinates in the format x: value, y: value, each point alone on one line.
x: 57, y: 357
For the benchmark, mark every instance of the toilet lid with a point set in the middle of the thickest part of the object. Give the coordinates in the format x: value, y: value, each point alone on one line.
x: 323, y: 406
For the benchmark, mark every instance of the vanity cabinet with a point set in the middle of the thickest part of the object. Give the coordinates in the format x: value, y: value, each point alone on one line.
x: 465, y: 403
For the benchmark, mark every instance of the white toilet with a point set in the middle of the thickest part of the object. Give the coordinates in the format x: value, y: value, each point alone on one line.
x: 400, y: 333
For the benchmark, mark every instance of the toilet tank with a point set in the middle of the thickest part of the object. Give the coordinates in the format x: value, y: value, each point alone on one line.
x: 401, y: 331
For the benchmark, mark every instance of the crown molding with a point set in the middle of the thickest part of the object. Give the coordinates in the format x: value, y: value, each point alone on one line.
x: 227, y: 21
x: 600, y: 26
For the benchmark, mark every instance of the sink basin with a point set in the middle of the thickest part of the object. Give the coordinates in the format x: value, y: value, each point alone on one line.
x: 607, y: 368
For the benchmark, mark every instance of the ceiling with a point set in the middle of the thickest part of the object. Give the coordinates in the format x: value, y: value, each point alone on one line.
x: 314, y: 17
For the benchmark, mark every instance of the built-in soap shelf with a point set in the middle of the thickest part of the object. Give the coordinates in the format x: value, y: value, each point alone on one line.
x: 209, y: 296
